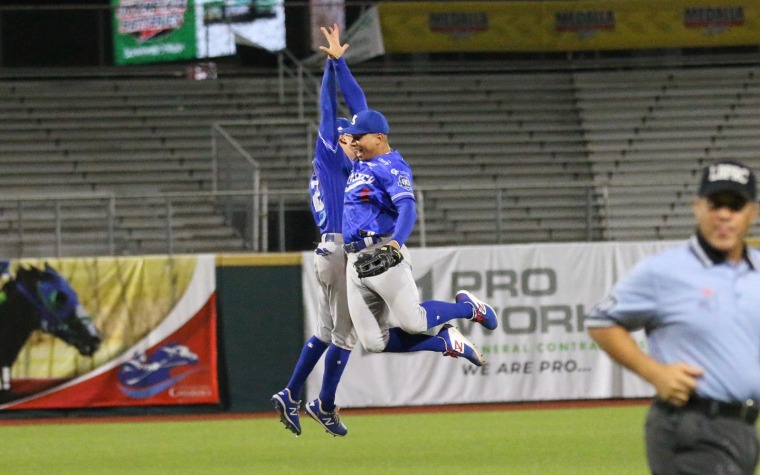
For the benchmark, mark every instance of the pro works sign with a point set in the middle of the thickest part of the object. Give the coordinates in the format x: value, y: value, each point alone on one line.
x: 540, y: 351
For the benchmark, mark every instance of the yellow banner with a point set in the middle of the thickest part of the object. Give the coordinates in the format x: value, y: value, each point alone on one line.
x: 126, y: 297
x: 567, y: 26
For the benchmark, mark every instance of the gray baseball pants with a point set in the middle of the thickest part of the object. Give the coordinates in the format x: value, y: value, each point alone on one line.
x: 683, y: 442
x: 333, y: 320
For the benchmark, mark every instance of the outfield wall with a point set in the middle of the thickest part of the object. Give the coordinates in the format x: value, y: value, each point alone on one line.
x: 265, y: 308
x: 178, y: 334
x: 261, y: 326
x: 540, y: 350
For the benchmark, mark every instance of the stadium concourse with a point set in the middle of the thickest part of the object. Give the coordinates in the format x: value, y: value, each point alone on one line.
x: 146, y: 161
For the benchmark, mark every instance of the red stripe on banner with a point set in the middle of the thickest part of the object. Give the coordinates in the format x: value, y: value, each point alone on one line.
x: 181, y: 369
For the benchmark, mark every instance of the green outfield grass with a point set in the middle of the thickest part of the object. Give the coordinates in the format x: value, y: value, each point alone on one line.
x: 604, y: 441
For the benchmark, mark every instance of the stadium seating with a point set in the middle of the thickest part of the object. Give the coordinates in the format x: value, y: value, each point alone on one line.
x: 650, y: 132
x: 146, y: 141
x: 470, y: 139
x: 104, y: 165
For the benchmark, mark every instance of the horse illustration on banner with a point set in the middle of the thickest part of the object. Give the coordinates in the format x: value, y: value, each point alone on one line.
x: 40, y: 299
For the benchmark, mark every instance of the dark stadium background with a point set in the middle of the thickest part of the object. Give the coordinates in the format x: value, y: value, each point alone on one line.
x: 54, y: 33
x: 77, y: 33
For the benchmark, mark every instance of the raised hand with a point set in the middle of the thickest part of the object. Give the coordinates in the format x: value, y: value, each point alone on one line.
x: 333, y: 49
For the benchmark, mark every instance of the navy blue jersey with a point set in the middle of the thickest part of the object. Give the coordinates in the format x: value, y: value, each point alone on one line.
x: 373, y: 188
x: 331, y: 165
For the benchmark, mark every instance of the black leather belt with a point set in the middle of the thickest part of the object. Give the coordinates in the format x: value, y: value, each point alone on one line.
x: 745, y: 412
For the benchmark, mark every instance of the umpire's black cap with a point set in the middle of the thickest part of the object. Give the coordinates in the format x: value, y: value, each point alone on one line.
x: 728, y: 176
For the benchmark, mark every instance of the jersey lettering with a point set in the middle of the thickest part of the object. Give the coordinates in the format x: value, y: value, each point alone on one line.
x: 316, y: 198
x: 358, y: 179
x: 729, y: 172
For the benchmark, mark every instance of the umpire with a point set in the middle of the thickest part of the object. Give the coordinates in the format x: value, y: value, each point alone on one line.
x: 699, y: 304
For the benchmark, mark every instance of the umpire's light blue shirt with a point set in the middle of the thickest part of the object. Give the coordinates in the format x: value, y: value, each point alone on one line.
x: 696, y: 308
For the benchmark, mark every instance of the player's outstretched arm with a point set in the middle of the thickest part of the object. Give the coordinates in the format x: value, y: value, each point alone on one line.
x: 328, y: 104
x: 352, y: 92
x: 333, y: 49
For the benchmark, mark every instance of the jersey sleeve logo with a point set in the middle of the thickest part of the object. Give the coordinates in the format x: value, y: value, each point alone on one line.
x: 404, y: 182
x: 604, y: 307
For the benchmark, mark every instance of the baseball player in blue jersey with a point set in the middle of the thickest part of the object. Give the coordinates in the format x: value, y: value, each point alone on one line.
x: 334, y: 334
x: 378, y: 216
x: 699, y: 304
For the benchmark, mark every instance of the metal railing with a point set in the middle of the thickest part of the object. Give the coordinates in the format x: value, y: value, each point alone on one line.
x: 308, y: 85
x: 289, y: 67
x: 107, y: 224
x: 234, y: 168
x: 36, y: 222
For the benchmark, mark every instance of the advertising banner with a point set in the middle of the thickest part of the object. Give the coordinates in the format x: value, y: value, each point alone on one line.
x: 539, y: 352
x: 410, y: 27
x: 650, y: 24
x: 98, y: 332
x: 148, y: 31
x: 257, y: 23
x: 365, y: 38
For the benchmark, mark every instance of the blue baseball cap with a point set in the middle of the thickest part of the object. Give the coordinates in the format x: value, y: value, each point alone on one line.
x: 342, y: 124
x: 368, y: 122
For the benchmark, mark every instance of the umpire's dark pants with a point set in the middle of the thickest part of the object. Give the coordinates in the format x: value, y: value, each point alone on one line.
x: 688, y: 441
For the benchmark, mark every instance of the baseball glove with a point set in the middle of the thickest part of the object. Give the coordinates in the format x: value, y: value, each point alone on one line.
x: 374, y: 263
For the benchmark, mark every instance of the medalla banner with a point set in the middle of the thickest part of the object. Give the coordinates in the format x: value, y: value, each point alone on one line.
x: 97, y: 332
x: 540, y: 350
x: 483, y: 26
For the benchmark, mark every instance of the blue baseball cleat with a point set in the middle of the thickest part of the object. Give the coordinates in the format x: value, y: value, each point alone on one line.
x: 287, y: 408
x: 481, y: 312
x: 329, y: 420
x: 457, y: 345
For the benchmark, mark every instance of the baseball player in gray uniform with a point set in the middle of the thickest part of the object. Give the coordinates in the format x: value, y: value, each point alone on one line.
x: 700, y: 306
x: 334, y: 335
x: 378, y: 216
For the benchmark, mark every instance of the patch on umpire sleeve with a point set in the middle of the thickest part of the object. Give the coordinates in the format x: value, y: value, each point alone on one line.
x: 604, y: 307
x: 404, y: 182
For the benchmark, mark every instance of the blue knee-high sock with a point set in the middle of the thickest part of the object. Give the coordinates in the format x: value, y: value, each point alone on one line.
x: 401, y: 342
x: 310, y: 354
x: 441, y: 312
x: 336, y: 360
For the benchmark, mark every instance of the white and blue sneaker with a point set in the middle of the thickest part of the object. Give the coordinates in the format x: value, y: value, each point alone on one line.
x: 457, y: 345
x: 481, y: 312
x: 287, y: 408
x: 330, y: 421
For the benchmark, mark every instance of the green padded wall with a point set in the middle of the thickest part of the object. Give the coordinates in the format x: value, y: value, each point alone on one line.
x: 260, y: 305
